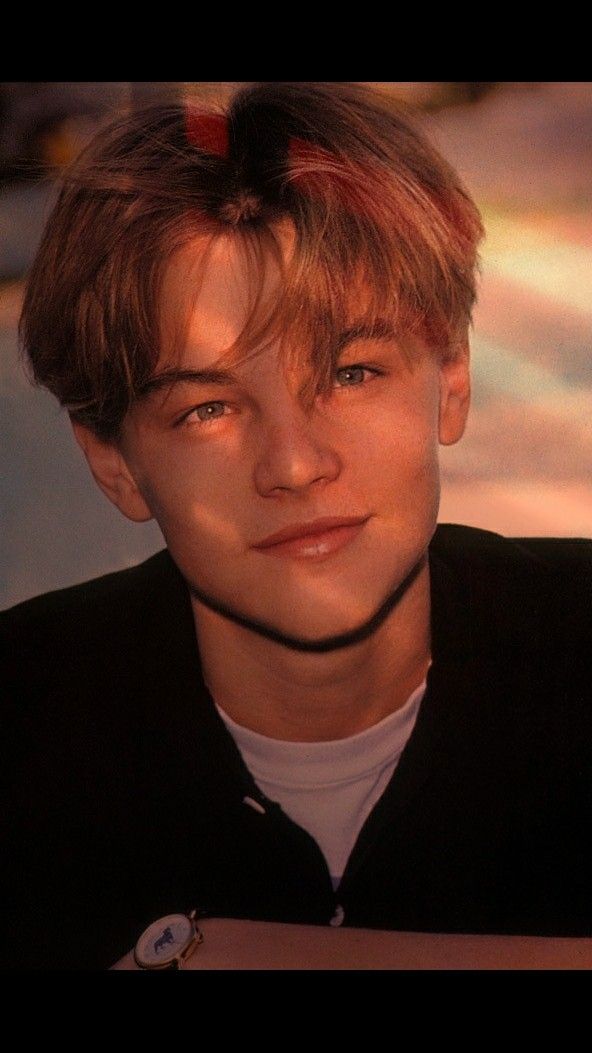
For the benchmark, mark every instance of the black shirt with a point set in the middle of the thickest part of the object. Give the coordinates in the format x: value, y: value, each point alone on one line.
x: 125, y: 792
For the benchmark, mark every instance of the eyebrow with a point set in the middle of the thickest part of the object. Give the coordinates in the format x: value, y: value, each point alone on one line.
x: 378, y: 330
x: 168, y: 378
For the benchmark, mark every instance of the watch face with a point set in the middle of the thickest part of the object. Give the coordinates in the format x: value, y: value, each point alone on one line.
x: 163, y: 941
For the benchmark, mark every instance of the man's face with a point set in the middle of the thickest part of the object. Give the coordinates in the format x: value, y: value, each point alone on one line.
x: 223, y: 466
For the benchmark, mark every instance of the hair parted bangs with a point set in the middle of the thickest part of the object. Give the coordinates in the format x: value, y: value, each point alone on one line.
x: 382, y: 231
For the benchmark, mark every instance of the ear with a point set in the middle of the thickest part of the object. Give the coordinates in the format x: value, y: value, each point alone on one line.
x: 112, y: 474
x: 455, y: 395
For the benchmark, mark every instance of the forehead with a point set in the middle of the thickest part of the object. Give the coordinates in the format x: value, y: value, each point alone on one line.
x: 212, y: 286
x: 224, y: 294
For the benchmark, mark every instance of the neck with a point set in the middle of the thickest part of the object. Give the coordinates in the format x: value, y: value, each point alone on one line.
x: 292, y: 695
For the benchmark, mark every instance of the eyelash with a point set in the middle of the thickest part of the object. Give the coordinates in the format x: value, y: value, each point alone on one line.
x: 368, y: 369
x: 216, y: 402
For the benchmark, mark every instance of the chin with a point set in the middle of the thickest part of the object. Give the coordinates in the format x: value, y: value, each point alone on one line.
x: 331, y: 631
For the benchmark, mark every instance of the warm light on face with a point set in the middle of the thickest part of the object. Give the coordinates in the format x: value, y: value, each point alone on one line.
x: 224, y: 461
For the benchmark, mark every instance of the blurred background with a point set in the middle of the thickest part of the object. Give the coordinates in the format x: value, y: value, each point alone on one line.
x: 524, y: 466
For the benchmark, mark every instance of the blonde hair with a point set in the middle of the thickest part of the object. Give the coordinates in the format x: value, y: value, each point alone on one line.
x: 369, y: 199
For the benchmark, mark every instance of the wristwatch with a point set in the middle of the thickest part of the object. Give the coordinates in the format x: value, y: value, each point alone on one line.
x: 168, y: 942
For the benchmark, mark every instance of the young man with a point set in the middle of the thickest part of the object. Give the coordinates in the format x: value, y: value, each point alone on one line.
x: 313, y: 706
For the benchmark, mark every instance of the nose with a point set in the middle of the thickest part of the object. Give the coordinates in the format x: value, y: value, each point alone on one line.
x: 296, y: 451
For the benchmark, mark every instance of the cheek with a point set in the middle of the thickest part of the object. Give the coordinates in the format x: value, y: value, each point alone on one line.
x: 400, y: 442
x: 399, y: 462
x: 167, y: 486
x: 189, y: 500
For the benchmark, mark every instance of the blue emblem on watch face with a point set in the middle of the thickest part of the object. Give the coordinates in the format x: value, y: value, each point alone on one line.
x: 167, y: 942
x: 165, y: 938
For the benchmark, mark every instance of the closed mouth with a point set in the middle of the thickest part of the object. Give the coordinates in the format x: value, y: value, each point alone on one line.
x: 301, y: 531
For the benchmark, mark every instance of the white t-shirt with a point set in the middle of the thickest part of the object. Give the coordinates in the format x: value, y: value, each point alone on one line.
x: 329, y: 788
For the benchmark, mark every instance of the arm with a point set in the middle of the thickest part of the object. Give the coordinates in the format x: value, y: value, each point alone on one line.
x: 232, y: 944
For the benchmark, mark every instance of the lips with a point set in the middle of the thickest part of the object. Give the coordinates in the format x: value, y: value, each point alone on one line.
x: 303, y: 530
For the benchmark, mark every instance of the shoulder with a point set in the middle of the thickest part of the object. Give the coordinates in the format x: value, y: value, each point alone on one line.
x: 81, y: 627
x: 89, y: 598
x: 93, y: 678
x: 482, y: 557
x: 89, y: 594
x: 527, y: 586
x: 485, y: 547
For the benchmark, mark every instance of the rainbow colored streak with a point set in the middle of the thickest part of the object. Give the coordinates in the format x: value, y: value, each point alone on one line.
x: 525, y: 463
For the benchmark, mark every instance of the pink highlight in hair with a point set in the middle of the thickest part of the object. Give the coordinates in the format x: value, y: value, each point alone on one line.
x: 302, y: 154
x: 315, y: 171
x: 208, y: 131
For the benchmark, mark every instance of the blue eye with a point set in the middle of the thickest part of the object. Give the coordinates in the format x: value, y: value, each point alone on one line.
x: 207, y: 406
x: 356, y: 371
x: 204, y: 413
